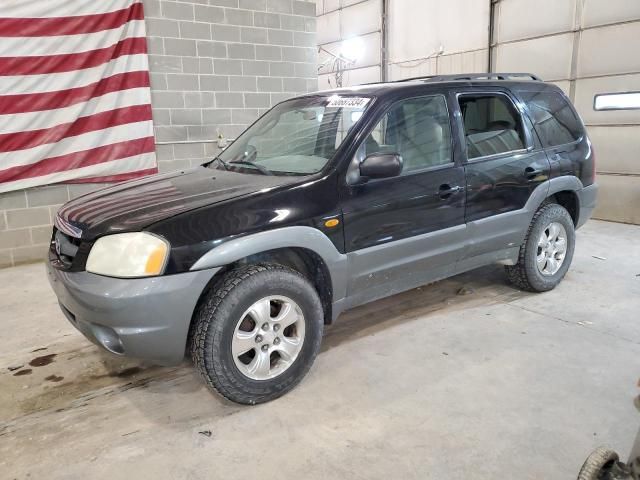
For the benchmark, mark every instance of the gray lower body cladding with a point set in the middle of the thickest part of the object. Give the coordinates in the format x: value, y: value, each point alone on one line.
x: 149, y: 318
x: 380, y: 271
x: 587, y: 196
x: 145, y: 318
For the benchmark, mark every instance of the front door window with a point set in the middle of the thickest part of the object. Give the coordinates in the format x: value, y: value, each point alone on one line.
x: 417, y: 129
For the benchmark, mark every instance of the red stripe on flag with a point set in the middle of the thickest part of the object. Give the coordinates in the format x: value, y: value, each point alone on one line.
x: 73, y: 25
x: 75, y: 160
x: 33, y: 102
x: 11, y: 142
x: 44, y: 64
x: 117, y: 178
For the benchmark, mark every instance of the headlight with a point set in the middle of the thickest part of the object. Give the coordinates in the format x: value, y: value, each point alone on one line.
x: 135, y: 254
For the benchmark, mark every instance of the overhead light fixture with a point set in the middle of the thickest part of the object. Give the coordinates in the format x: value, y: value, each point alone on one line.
x: 352, y: 49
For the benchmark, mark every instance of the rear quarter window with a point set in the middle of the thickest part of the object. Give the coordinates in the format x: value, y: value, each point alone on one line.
x: 553, y: 118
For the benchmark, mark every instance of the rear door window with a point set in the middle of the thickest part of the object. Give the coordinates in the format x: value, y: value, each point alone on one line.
x: 553, y: 118
x: 492, y: 125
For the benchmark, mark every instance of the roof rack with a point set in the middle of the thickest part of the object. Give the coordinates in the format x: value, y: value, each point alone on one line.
x: 474, y: 76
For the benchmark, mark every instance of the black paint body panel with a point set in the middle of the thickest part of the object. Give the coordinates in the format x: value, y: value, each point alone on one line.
x: 200, y: 208
x: 134, y: 205
x: 305, y: 201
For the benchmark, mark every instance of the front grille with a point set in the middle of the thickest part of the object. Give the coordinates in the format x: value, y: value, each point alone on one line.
x: 68, y: 251
x: 66, y: 227
x: 65, y: 247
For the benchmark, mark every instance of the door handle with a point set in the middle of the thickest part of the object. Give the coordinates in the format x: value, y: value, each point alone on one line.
x: 446, y: 190
x: 532, y: 172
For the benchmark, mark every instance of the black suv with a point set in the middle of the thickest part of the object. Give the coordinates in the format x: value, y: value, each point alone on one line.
x: 328, y: 201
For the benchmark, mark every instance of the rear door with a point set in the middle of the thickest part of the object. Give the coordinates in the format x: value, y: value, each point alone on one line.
x: 504, y: 163
x: 403, y: 231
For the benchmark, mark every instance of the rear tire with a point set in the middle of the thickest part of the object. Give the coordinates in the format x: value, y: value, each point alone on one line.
x: 547, y: 250
x: 257, y: 333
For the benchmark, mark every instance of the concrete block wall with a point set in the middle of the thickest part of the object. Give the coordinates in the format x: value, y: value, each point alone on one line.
x: 215, y: 66
x: 26, y: 217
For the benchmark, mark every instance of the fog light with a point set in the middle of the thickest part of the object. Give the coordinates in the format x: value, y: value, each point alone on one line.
x: 108, y: 338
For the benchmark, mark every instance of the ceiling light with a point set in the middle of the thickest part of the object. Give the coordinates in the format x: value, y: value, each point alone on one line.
x: 353, y: 49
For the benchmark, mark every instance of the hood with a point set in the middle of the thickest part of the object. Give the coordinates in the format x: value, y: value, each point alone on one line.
x: 134, y: 205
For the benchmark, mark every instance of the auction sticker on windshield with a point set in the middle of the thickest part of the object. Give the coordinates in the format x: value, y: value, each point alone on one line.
x: 351, y: 102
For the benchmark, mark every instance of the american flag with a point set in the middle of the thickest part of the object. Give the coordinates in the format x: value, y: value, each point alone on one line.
x: 75, y: 101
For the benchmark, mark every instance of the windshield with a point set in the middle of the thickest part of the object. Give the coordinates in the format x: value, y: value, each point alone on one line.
x: 296, y: 137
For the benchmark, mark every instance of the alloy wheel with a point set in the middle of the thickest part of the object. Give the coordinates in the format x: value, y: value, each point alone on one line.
x: 268, y: 337
x: 552, y: 248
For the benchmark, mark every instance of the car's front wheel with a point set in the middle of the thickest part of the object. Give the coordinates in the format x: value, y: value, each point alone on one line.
x: 257, y: 333
x: 547, y: 251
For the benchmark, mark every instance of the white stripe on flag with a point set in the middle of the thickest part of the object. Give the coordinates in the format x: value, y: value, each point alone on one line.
x: 65, y: 44
x: 60, y: 8
x: 41, y: 25
x: 86, y: 141
x: 53, y: 82
x: 115, y: 167
x: 21, y: 122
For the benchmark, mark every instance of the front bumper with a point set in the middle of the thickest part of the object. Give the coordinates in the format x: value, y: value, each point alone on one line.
x: 587, y: 197
x: 147, y: 318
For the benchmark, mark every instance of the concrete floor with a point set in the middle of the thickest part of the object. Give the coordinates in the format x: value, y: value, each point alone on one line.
x: 467, y: 378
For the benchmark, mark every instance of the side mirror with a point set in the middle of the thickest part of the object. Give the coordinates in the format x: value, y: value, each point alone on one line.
x: 381, y: 165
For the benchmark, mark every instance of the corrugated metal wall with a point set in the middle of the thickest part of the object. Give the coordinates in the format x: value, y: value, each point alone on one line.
x: 586, y: 47
x: 420, y: 29
x: 342, y: 19
x: 409, y: 53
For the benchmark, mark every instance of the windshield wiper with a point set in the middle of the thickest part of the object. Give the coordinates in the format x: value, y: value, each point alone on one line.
x: 260, y: 168
x: 224, y: 164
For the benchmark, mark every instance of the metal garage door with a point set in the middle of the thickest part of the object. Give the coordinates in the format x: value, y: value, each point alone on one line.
x: 587, y: 47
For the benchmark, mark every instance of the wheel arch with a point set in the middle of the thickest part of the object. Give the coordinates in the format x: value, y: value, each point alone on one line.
x: 305, y: 261
x: 305, y: 249
x: 563, y: 191
x: 570, y: 201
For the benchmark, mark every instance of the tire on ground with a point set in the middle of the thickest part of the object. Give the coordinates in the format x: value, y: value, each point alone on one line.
x: 525, y: 274
x: 219, y: 312
x: 600, y: 460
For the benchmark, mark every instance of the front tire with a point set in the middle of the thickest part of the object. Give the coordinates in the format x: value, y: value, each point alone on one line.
x: 547, y: 250
x: 257, y: 332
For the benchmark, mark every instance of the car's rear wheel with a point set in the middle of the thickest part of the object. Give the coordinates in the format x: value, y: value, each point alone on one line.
x: 257, y: 333
x: 547, y: 251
